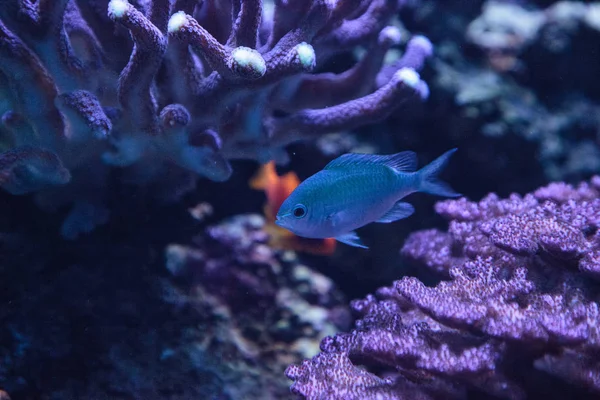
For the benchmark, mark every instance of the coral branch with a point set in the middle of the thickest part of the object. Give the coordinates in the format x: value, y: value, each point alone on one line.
x: 137, y: 77
x: 32, y: 87
x: 239, y: 62
x: 405, y: 84
x: 245, y: 28
x: 27, y: 169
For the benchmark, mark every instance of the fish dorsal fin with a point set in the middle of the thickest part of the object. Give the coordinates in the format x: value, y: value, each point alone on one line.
x: 405, y: 161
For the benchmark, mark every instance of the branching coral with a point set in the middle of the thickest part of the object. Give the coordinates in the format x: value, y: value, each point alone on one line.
x: 205, y: 82
x: 520, y: 306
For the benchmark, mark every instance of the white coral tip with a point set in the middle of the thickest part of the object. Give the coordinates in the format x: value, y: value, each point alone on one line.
x: 117, y: 8
x: 176, y: 21
x: 409, y: 76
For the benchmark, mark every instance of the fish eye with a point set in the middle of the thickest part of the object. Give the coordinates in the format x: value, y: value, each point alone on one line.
x: 299, y: 211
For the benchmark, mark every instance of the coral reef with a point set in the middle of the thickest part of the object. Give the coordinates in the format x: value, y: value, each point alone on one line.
x: 516, y: 317
x: 520, y: 119
x: 113, y: 323
x: 265, y: 307
x: 160, y: 87
x: 111, y: 108
x: 507, y: 28
x: 532, y: 45
x: 519, y: 98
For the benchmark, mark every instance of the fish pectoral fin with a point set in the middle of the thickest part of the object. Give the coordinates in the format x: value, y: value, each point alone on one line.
x: 333, y: 219
x: 351, y: 239
x: 400, y: 210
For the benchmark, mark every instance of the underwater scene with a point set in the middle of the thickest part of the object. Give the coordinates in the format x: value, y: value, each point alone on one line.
x: 299, y: 199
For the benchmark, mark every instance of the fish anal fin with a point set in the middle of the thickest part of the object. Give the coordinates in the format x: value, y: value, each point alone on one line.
x: 400, y: 210
x: 351, y: 239
x: 405, y: 161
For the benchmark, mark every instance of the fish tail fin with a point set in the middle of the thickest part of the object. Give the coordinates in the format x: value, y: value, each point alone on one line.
x: 429, y: 181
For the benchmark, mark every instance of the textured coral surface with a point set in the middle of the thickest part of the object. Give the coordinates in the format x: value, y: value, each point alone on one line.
x: 517, y: 315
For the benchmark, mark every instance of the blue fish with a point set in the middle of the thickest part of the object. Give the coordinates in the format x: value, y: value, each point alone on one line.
x: 356, y: 189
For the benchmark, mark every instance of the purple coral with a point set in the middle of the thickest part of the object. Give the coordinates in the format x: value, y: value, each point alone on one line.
x: 517, y: 317
x: 150, y: 86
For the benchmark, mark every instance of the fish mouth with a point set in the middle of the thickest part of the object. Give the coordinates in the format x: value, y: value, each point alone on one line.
x: 279, y: 220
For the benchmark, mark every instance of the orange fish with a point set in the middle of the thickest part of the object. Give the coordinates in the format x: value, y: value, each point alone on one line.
x: 278, y: 188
